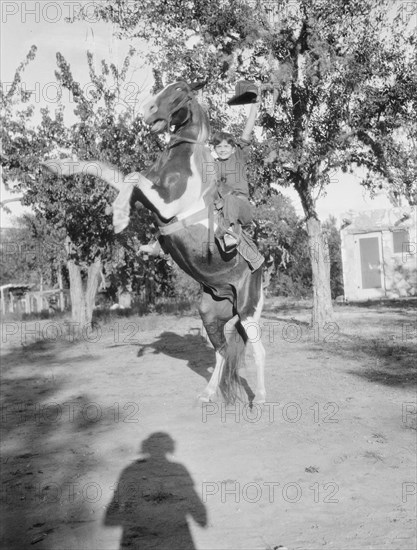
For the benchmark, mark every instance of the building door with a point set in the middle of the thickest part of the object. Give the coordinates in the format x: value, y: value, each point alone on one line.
x: 370, y: 262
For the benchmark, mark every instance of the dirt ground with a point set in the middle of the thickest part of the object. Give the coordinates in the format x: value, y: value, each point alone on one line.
x: 105, y: 446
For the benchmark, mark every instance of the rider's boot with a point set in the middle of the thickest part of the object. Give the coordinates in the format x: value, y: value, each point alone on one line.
x: 153, y: 248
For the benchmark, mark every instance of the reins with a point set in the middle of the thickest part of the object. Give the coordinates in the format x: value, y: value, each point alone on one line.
x: 181, y: 104
x: 176, y: 140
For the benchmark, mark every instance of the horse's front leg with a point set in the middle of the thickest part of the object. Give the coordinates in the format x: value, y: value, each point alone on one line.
x: 258, y: 350
x: 102, y: 170
x: 154, y: 196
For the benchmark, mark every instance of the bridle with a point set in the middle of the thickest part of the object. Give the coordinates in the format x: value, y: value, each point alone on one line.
x: 174, y: 139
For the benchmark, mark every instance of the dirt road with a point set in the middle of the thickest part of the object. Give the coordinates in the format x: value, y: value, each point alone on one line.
x: 104, y: 445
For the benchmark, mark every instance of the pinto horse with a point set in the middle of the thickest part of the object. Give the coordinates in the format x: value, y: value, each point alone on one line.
x: 179, y: 189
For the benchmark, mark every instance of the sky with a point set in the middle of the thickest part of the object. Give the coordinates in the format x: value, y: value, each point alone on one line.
x: 42, y: 22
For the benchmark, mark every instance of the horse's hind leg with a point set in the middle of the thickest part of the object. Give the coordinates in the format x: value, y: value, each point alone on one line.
x: 259, y: 356
x: 211, y: 389
x: 253, y: 331
x: 215, y: 314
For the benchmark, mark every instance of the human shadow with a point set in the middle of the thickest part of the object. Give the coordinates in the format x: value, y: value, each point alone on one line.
x: 153, y: 499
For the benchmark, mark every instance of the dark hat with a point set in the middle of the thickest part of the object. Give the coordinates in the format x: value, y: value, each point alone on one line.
x: 245, y: 92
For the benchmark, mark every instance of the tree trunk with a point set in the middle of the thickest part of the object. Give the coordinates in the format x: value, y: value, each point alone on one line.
x: 83, y: 295
x: 320, y: 265
x: 61, y: 289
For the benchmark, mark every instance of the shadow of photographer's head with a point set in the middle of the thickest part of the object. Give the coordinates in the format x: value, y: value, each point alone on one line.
x: 158, y: 444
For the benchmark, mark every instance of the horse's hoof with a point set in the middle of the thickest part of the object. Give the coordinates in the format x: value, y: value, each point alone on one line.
x: 204, y: 398
x: 261, y: 400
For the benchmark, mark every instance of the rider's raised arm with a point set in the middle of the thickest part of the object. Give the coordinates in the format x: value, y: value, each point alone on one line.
x: 250, y: 123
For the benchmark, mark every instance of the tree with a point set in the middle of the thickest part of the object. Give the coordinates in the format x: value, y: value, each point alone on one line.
x: 77, y: 207
x: 33, y: 253
x: 18, y: 255
x: 334, y: 243
x: 340, y: 76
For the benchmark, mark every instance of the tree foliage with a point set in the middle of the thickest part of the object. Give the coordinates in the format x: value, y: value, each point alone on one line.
x: 339, y: 76
x: 31, y: 252
x: 78, y: 207
x: 339, y: 91
x: 282, y: 239
x: 343, y: 74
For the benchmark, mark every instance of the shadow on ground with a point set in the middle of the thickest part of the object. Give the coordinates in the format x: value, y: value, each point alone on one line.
x: 380, y: 336
x: 388, y: 362
x: 153, y: 499
x: 377, y: 305
x: 40, y: 455
x: 194, y: 349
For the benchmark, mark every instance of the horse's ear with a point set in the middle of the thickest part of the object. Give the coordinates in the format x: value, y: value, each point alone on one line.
x: 198, y: 84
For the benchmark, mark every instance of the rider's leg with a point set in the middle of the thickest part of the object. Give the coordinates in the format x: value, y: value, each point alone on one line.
x: 237, y: 211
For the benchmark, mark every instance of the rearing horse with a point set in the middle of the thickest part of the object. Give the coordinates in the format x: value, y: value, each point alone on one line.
x: 179, y: 189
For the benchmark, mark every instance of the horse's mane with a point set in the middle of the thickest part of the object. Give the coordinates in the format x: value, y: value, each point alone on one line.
x: 203, y: 158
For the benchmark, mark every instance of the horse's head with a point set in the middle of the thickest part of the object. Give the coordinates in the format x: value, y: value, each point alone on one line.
x: 173, y: 106
x: 185, y: 172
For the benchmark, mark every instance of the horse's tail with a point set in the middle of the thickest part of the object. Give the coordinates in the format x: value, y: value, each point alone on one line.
x: 234, y: 357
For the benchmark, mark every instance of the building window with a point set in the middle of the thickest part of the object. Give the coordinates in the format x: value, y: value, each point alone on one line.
x: 398, y: 239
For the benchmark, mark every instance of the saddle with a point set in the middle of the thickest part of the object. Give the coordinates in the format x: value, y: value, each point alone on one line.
x: 245, y: 245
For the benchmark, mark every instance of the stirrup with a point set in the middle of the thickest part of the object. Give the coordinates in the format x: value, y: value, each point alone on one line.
x: 230, y: 242
x: 236, y: 237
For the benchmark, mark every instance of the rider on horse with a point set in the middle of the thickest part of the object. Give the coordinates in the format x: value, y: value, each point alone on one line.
x: 179, y: 189
x: 234, y: 208
x: 232, y: 184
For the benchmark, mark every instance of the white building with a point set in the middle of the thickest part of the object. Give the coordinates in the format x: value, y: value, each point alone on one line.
x: 379, y: 253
